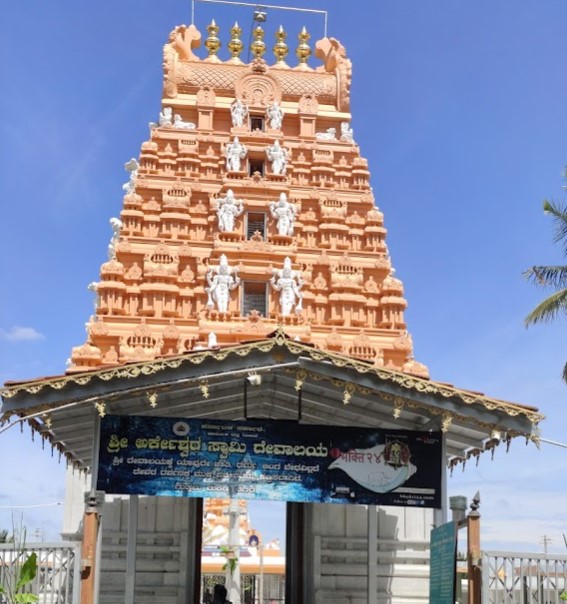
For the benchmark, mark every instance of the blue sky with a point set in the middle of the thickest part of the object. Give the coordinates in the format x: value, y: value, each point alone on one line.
x: 459, y: 108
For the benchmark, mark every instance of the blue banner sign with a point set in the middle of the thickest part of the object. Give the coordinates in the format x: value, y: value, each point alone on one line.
x: 270, y: 460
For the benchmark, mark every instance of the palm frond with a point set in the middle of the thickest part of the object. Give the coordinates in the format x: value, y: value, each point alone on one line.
x: 564, y: 373
x: 547, y: 276
x: 549, y: 309
x: 559, y: 215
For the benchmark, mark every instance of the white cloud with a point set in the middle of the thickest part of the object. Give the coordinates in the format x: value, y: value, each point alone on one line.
x: 21, y: 334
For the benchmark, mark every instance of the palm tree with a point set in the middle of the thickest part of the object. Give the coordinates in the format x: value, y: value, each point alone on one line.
x: 552, y: 277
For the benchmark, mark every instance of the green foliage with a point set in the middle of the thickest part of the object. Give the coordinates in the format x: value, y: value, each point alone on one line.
x: 551, y: 277
x: 19, y: 576
x: 231, y: 559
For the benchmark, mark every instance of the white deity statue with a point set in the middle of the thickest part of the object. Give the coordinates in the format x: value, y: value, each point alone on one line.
x: 93, y: 287
x: 181, y: 125
x: 238, y: 112
x: 329, y: 135
x: 222, y: 280
x: 278, y: 155
x: 284, y: 212
x: 165, y: 117
x: 228, y: 208
x: 132, y: 167
x: 274, y: 116
x: 116, y: 225
x: 233, y: 153
x: 346, y: 133
x: 289, y: 283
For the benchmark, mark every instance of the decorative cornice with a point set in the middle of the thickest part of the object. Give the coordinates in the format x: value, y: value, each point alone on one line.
x: 279, y: 338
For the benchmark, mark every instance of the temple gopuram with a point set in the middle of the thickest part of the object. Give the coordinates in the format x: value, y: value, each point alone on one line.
x: 249, y: 208
x: 248, y: 289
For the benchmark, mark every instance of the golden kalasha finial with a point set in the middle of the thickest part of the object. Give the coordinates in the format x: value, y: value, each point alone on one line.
x: 281, y: 49
x: 235, y: 45
x: 213, y: 43
x: 258, y: 46
x: 303, y: 51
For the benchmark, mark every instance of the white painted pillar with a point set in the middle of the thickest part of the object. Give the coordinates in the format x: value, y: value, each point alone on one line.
x: 372, y: 543
x: 233, y: 578
x: 131, y: 549
x: 440, y: 515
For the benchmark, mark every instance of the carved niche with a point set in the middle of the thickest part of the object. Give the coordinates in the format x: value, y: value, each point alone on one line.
x: 206, y: 96
x: 257, y: 90
x: 308, y: 104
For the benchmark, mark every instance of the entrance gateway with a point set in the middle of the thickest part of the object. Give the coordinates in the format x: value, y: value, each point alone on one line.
x: 248, y: 314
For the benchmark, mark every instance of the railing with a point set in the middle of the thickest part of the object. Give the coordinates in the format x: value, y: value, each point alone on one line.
x: 523, y: 578
x: 58, y: 570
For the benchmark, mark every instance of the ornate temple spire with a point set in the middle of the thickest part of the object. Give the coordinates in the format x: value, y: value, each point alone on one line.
x: 248, y: 208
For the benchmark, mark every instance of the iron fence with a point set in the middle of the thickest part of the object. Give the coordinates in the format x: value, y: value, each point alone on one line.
x: 58, y: 576
x: 523, y: 578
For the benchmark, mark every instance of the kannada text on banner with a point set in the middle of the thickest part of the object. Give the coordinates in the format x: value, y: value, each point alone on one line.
x: 270, y: 460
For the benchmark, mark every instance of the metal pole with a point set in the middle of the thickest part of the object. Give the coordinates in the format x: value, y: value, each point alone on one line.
x: 256, y: 5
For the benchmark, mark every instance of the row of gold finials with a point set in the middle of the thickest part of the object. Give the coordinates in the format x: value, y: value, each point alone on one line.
x: 258, y: 46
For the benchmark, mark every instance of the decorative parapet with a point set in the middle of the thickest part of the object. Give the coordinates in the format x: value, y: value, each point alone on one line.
x: 186, y: 73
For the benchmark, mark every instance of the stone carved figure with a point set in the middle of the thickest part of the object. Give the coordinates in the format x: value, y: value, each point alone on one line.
x: 234, y: 152
x: 346, y: 132
x: 329, y: 135
x: 284, y: 212
x: 116, y: 225
x: 278, y: 155
x: 222, y: 279
x: 228, y: 209
x: 238, y: 112
x: 289, y: 283
x: 181, y: 125
x: 132, y: 167
x: 274, y: 116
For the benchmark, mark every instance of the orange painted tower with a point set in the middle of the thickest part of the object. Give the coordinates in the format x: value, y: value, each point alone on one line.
x: 249, y: 207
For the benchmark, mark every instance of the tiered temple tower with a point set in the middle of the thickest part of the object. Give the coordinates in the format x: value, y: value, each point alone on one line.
x: 250, y: 207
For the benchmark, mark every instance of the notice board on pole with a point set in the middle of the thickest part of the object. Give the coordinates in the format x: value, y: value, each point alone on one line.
x: 442, y: 574
x: 270, y: 460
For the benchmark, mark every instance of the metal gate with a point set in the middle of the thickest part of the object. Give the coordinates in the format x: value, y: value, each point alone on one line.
x: 523, y: 578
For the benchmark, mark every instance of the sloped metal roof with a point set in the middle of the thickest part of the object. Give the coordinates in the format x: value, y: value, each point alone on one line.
x: 296, y: 382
